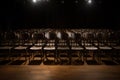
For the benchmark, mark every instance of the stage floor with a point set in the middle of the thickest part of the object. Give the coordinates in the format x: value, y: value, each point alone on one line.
x: 60, y: 72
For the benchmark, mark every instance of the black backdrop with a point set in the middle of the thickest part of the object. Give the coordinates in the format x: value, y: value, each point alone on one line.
x: 58, y: 14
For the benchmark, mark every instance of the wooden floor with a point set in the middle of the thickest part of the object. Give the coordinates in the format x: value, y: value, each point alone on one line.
x: 59, y: 72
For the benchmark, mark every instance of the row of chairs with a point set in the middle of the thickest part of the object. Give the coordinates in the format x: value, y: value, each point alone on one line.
x: 59, y: 46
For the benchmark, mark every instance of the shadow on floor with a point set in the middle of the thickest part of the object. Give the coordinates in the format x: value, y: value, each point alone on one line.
x: 26, y: 56
x: 50, y: 62
x: 118, y: 61
x: 64, y: 62
x: 4, y: 62
x: 108, y: 62
x: 77, y: 62
x: 92, y: 62
x: 17, y: 62
x: 35, y: 62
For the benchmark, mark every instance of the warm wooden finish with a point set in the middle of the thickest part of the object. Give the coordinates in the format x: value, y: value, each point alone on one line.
x: 43, y: 72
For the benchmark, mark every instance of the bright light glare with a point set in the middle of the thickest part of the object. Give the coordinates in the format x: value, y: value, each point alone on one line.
x: 89, y: 1
x: 34, y: 1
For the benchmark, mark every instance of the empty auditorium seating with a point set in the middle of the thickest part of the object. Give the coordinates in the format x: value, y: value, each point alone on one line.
x: 60, y: 46
x: 63, y: 48
x: 20, y: 49
x: 6, y: 44
x: 36, y: 50
x: 50, y: 48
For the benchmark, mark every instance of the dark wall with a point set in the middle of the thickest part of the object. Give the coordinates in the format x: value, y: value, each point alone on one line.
x: 58, y: 14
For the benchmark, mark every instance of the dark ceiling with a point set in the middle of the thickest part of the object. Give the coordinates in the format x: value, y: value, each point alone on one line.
x: 59, y: 14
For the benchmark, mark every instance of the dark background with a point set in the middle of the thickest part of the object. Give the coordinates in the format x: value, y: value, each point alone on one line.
x: 16, y: 14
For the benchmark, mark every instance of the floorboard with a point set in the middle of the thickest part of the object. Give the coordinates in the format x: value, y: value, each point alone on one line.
x: 59, y: 72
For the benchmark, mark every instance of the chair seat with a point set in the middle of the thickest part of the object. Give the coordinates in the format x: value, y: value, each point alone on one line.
x: 38, y: 44
x: 77, y: 48
x: 20, y: 48
x: 63, y: 48
x: 105, y: 48
x: 96, y: 44
x: 50, y: 44
x: 88, y: 44
x: 49, y: 48
x: 74, y: 44
x: 113, y: 44
x: 5, y: 47
x: 91, y: 48
x: 117, y: 47
x: 36, y: 48
x: 28, y: 44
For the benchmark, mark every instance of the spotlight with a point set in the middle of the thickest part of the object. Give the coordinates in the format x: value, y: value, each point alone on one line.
x: 89, y: 1
x: 34, y: 1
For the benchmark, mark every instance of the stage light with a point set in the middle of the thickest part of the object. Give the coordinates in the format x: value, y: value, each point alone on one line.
x: 89, y: 1
x: 34, y: 1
